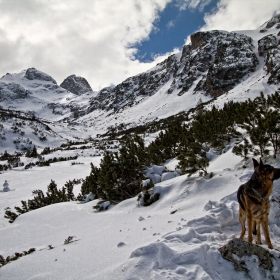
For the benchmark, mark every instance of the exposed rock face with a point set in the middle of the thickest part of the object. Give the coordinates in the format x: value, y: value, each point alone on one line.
x: 76, y: 85
x: 273, y: 21
x: 269, y: 48
x: 135, y: 88
x: 218, y: 59
x: 13, y: 91
x: 242, y: 254
x: 34, y: 74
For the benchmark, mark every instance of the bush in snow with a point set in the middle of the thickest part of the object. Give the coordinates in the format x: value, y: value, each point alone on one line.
x: 52, y: 196
x: 69, y: 239
x: 32, y: 153
x: 4, y: 261
x: 46, y: 151
x: 167, y: 144
x: 102, y: 205
x: 147, y: 196
x: 243, y: 149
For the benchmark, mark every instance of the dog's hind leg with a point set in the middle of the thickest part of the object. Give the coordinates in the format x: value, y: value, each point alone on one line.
x: 264, y: 223
x: 242, y: 220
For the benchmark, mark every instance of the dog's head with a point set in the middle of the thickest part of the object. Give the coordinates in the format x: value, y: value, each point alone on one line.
x: 266, y: 170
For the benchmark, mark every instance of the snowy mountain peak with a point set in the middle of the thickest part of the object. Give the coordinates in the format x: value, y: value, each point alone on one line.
x: 75, y: 84
x: 34, y: 74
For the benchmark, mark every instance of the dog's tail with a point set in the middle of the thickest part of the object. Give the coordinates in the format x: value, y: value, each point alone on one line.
x: 239, y: 194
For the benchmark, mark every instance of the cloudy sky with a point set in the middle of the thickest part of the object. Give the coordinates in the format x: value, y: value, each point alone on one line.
x: 107, y: 41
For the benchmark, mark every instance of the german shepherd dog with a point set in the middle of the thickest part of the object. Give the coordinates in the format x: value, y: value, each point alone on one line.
x: 253, y: 198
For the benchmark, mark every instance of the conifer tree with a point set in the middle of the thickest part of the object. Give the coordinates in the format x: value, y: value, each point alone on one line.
x: 258, y: 134
x: 90, y: 183
x: 243, y: 149
x: 272, y: 124
x: 107, y: 177
x: 193, y: 158
x: 69, y: 189
x: 32, y: 153
x: 120, y: 174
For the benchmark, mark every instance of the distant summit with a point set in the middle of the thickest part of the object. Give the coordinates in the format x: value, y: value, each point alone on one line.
x: 34, y: 74
x: 76, y: 85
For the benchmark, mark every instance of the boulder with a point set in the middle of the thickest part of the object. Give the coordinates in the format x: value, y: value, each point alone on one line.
x: 237, y: 251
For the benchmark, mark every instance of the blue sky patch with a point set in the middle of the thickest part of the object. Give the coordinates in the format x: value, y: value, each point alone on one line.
x: 171, y: 30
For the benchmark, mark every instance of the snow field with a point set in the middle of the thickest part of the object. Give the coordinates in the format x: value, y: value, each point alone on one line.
x: 128, y: 241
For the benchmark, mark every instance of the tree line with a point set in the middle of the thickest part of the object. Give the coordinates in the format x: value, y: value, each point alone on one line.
x: 119, y: 175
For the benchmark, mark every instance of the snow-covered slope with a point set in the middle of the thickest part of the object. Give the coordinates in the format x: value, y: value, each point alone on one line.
x: 177, y: 237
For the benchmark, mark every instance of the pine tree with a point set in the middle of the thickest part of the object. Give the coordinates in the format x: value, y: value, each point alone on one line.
x: 258, y: 135
x: 90, y: 183
x: 243, y: 149
x: 193, y: 158
x: 69, y: 189
x: 32, y: 153
x: 272, y: 124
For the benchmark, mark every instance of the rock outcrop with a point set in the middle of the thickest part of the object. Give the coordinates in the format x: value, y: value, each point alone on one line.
x: 75, y: 84
x: 218, y: 59
x: 273, y: 21
x: 239, y: 252
x: 269, y: 48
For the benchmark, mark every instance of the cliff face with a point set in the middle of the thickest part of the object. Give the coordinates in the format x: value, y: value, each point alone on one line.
x: 216, y: 60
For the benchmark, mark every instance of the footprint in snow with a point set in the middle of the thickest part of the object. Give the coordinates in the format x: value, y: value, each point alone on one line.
x: 121, y: 244
x: 180, y: 270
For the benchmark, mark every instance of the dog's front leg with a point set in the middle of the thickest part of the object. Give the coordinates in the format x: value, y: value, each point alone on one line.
x: 258, y: 224
x: 250, y: 223
x: 242, y: 220
x: 264, y: 223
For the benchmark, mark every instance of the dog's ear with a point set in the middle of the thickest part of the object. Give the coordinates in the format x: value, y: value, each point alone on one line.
x: 261, y: 164
x: 256, y: 164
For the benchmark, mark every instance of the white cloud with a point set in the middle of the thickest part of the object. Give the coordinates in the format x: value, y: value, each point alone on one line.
x: 170, y: 24
x: 192, y: 4
x: 233, y: 15
x: 89, y: 38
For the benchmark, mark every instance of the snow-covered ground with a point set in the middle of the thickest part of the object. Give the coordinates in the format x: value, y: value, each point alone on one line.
x: 130, y: 241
